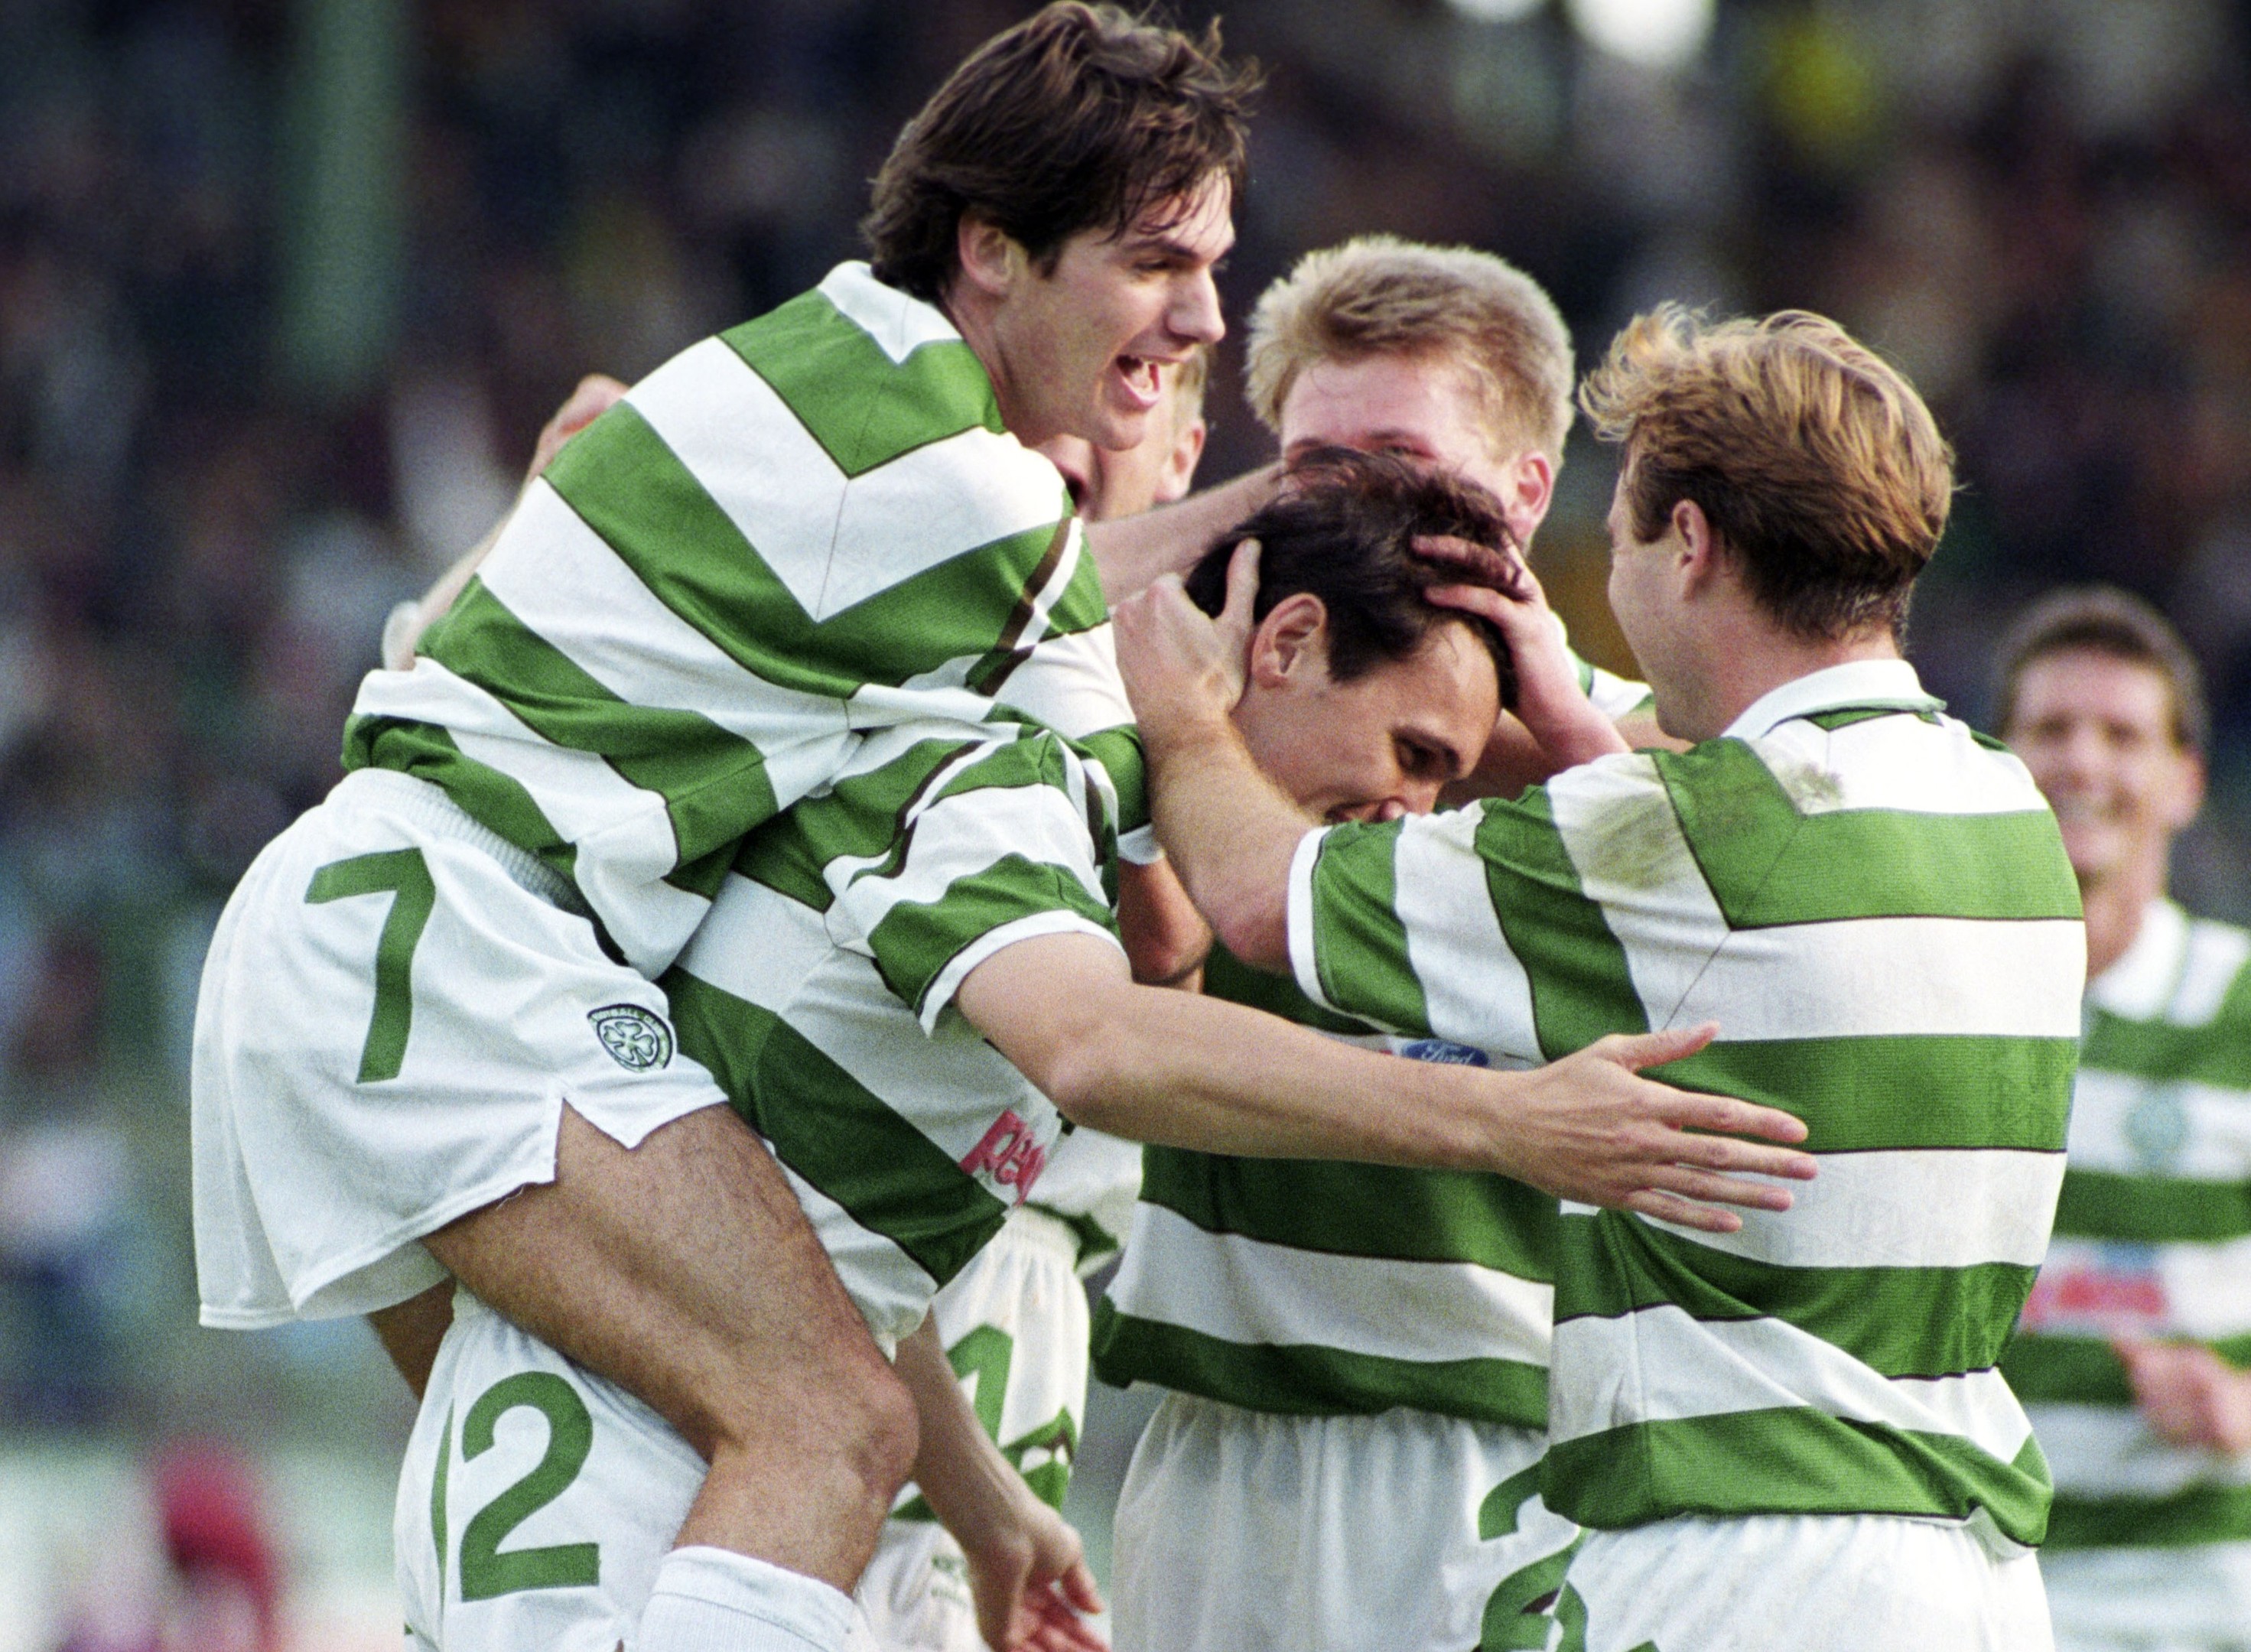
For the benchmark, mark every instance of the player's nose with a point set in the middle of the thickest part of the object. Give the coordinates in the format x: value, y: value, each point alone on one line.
x: 1195, y: 313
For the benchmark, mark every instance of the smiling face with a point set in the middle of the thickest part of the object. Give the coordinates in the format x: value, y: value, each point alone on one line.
x: 1077, y: 349
x: 1377, y: 747
x: 2097, y: 732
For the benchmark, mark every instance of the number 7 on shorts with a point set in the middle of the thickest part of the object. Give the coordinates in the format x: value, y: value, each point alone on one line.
x: 403, y: 874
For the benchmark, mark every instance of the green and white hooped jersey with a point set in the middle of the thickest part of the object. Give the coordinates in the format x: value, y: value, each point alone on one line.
x: 1873, y: 904
x: 2152, y: 1238
x: 1315, y: 1287
x: 807, y: 528
x: 819, y: 991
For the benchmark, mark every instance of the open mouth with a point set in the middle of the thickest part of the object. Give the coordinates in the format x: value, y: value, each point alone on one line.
x: 1143, y: 377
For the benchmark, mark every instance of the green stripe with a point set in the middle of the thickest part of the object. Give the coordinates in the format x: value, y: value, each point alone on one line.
x: 1359, y: 1210
x: 1119, y: 751
x: 1311, y: 1381
x: 488, y: 796
x: 632, y: 489
x: 1580, y: 987
x: 916, y: 940
x: 1898, y: 1091
x: 863, y: 407
x: 1900, y: 1321
x: 714, y: 783
x: 2045, y: 1369
x: 1832, y: 721
x: 833, y: 1131
x: 2200, y: 1514
x: 1359, y: 946
x: 1768, y: 863
x: 2218, y: 1053
x: 1228, y: 977
x: 1796, y: 1461
x: 2102, y: 1204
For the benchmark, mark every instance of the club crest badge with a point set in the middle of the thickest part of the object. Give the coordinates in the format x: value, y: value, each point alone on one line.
x: 637, y: 1039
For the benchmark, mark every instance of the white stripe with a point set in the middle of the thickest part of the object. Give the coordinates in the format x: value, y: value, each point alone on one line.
x: 1907, y: 1208
x: 2194, y: 1132
x: 2208, y: 1288
x: 898, y: 322
x: 1071, y: 684
x: 757, y: 944
x: 1867, y: 977
x: 959, y: 837
x: 948, y: 980
x: 835, y: 544
x: 2108, y: 1451
x: 1895, y: 763
x: 1661, y: 1364
x: 1615, y: 697
x: 2217, y: 953
x: 1244, y: 1290
x: 1474, y: 990
x: 561, y: 579
x: 1044, y: 600
x: 622, y: 834
x: 1305, y: 962
x: 951, y: 1085
x: 891, y: 1289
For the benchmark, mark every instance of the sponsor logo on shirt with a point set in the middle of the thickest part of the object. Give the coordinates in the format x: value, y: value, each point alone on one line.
x: 2107, y: 1289
x: 1009, y: 1155
x: 637, y: 1039
x: 1445, y: 1051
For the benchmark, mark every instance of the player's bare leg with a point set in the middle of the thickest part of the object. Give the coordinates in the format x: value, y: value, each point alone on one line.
x: 685, y: 1272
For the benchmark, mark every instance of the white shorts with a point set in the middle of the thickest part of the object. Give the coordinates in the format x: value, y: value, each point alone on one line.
x: 1014, y: 1324
x: 2193, y: 1598
x: 1801, y: 1583
x: 1239, y: 1531
x: 396, y: 1006
x: 536, y: 1501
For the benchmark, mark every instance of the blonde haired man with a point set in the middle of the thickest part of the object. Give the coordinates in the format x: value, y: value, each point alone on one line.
x: 1248, y: 1282
x: 1792, y: 1435
x: 1448, y: 357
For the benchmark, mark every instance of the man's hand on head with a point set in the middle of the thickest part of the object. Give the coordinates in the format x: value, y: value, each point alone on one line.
x: 1498, y: 586
x: 1184, y: 668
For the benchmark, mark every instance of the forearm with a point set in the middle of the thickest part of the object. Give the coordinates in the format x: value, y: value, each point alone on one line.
x: 969, y: 1484
x: 1132, y: 550
x: 1229, y: 830
x: 1165, y: 937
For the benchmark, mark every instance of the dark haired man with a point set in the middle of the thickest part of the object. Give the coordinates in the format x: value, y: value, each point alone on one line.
x: 1792, y: 1435
x: 430, y: 1045
x: 2131, y: 1355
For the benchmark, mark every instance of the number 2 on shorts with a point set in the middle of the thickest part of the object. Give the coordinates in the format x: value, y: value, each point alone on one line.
x: 403, y: 874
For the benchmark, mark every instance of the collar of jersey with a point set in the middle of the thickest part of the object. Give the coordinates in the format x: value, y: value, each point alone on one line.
x: 2143, y: 981
x: 1889, y: 685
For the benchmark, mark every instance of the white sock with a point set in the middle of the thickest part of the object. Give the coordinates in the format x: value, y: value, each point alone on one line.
x: 715, y: 1600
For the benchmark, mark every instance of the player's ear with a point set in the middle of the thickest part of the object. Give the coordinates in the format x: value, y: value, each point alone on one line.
x: 2185, y: 799
x: 1173, y: 482
x: 992, y: 260
x: 1699, y: 550
x: 1290, y: 641
x: 1531, y: 489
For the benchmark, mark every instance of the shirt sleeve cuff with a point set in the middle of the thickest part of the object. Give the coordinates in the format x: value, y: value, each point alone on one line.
x: 1141, y: 846
x: 947, y: 981
x: 1301, y: 919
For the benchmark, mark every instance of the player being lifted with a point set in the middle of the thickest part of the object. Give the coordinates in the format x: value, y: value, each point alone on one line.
x: 2131, y: 1352
x: 1266, y: 1294
x: 1792, y: 1436
x: 430, y: 1040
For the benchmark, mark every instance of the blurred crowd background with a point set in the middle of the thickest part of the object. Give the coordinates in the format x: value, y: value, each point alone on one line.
x: 287, y: 287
